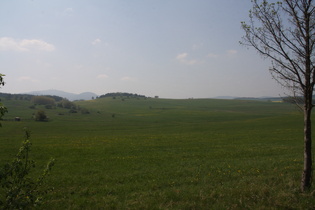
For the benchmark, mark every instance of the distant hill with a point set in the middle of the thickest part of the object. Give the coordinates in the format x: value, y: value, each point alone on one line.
x: 69, y: 96
x: 225, y: 97
x: 263, y: 98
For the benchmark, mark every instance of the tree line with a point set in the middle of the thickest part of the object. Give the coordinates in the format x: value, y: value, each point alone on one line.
x: 120, y: 94
x: 50, y: 103
x: 27, y: 97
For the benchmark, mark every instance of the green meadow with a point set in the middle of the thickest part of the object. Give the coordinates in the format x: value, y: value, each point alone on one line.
x: 137, y: 153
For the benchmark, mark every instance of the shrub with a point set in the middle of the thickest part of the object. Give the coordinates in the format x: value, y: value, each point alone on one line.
x: 41, y: 116
x: 84, y: 111
x: 3, y: 110
x: 67, y: 104
x: 17, y: 189
x: 49, y: 106
x: 73, y: 111
x: 32, y: 107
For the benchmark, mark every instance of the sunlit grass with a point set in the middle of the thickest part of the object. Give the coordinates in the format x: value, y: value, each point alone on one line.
x: 169, y: 154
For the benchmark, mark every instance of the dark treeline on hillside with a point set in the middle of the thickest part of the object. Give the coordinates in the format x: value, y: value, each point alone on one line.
x: 118, y: 94
x: 55, y: 98
x: 48, y: 101
x: 9, y: 96
x: 28, y: 97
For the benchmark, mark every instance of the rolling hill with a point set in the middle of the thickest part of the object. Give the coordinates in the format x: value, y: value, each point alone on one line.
x: 63, y: 94
x: 147, y: 153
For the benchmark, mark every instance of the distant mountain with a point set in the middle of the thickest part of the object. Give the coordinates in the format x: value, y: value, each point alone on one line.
x: 69, y: 96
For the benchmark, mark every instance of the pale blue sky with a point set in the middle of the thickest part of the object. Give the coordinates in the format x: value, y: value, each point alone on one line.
x: 169, y: 48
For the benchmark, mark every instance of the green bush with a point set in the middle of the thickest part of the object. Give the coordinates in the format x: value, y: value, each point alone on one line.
x: 49, y: 106
x: 67, y: 104
x: 17, y: 189
x: 3, y: 109
x: 73, y: 111
x: 32, y: 106
x: 40, y: 115
x: 84, y: 111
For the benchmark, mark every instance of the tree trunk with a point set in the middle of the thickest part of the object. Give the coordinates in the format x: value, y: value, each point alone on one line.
x: 307, y: 171
x: 308, y: 105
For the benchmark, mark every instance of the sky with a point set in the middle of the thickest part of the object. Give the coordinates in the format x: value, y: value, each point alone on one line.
x: 165, y: 48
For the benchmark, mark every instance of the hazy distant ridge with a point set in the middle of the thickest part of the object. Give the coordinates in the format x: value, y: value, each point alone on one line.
x: 69, y: 96
x: 263, y: 98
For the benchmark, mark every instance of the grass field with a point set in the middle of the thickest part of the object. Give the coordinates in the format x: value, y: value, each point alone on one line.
x: 166, y: 154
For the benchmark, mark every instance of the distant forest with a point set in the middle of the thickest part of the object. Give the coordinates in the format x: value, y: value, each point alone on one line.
x: 27, y: 97
x: 124, y: 95
x: 48, y: 101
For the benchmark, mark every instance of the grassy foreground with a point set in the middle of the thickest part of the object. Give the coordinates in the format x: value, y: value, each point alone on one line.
x: 166, y: 154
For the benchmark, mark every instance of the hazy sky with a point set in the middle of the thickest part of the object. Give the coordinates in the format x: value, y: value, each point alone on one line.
x: 168, y: 48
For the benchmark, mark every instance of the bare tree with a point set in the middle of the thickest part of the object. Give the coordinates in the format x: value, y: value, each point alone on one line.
x: 284, y: 32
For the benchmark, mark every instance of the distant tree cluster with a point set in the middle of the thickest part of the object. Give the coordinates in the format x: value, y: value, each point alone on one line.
x: 56, y: 98
x: 123, y: 95
x: 67, y: 104
x: 40, y: 115
x: 44, y: 100
x: 27, y: 97
x: 51, y: 101
x: 9, y: 96
x: 72, y: 106
x: 48, y: 101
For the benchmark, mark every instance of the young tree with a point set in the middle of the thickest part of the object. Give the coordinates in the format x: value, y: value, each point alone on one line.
x: 18, y: 189
x: 284, y: 32
x: 3, y: 109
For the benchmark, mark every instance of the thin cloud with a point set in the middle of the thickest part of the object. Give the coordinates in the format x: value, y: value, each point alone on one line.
x: 197, y: 46
x: 102, y: 76
x: 27, y: 79
x: 128, y: 79
x: 96, y: 41
x: 37, y: 45
x: 181, y: 56
x: 227, y: 53
x: 183, y: 59
x: 25, y: 45
x: 212, y: 55
x: 68, y: 12
x: 231, y: 52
